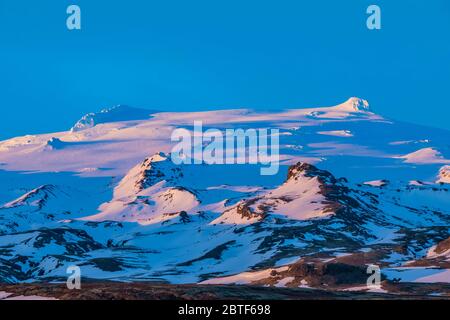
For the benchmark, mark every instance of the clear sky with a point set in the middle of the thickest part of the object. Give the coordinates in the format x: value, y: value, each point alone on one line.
x: 206, y: 54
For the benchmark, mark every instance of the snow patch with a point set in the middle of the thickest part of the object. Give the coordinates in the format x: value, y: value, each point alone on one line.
x: 337, y: 133
x: 376, y: 183
x: 424, y: 156
x: 245, y: 277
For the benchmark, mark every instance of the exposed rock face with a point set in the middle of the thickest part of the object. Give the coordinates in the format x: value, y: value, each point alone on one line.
x: 55, y: 144
x: 318, y: 273
x: 308, y: 170
x: 442, y: 246
x: 247, y: 212
x: 444, y: 175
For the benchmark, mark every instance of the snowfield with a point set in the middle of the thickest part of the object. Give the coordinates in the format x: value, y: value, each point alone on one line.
x: 353, y: 189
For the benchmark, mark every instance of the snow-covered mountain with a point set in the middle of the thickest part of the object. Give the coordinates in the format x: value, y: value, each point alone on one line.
x: 114, y: 114
x: 353, y: 189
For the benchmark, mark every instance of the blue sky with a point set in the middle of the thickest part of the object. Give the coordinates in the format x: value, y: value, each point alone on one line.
x: 199, y: 55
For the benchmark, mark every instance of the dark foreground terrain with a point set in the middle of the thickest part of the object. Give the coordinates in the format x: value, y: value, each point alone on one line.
x: 152, y: 291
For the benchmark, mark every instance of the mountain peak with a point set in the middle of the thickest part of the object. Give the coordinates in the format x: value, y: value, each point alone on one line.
x: 152, y: 170
x: 303, y: 169
x: 157, y: 157
x: 113, y: 114
x: 354, y: 104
